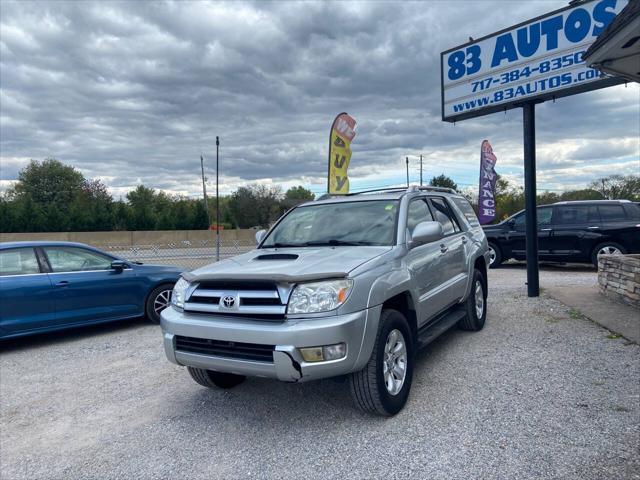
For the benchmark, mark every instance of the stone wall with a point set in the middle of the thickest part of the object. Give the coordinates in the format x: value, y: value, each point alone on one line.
x: 619, y: 278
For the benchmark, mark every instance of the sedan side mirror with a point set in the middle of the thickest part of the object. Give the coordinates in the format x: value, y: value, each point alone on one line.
x: 118, y: 265
x: 260, y: 236
x: 426, y: 232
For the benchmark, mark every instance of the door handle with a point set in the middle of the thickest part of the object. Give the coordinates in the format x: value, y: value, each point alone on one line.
x: 63, y: 283
x: 443, y: 248
x: 593, y: 228
x: 545, y: 229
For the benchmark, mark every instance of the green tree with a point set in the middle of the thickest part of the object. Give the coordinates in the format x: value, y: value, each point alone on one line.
x: 255, y: 205
x: 49, y: 181
x: 142, y: 201
x: 618, y: 187
x: 443, y: 181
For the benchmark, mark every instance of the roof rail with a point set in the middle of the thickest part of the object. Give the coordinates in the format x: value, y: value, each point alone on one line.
x: 412, y: 188
x: 386, y: 189
x: 430, y: 188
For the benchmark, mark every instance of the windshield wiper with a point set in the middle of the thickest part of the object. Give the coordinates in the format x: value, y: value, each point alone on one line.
x: 336, y: 243
x: 284, y: 245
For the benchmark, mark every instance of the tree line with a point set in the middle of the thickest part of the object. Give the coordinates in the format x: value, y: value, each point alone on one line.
x: 52, y: 197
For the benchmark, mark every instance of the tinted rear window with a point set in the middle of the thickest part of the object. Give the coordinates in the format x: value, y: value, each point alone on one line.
x: 467, y: 210
x: 612, y: 213
x: 576, y: 214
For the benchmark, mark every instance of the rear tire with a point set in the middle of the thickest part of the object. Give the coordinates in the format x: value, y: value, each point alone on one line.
x: 476, y: 304
x: 382, y: 386
x: 158, y: 300
x: 610, y: 248
x: 495, y: 260
x: 211, y: 379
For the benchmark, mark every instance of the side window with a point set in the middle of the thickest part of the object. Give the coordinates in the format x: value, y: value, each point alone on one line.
x: 418, y: 212
x: 544, y: 216
x: 467, y: 210
x: 444, y: 215
x: 575, y: 215
x: 612, y: 213
x: 70, y: 259
x: 18, y: 261
x: 544, y: 219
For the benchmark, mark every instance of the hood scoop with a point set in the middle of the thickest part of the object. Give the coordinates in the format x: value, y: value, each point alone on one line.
x: 277, y: 256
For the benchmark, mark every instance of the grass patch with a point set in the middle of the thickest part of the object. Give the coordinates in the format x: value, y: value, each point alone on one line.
x: 575, y: 314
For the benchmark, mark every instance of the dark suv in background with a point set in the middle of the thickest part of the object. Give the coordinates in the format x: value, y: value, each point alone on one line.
x: 570, y: 232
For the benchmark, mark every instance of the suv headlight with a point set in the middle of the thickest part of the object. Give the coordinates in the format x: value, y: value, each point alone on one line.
x: 319, y: 296
x: 179, y: 293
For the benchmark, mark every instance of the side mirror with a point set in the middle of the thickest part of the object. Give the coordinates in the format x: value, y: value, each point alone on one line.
x: 511, y: 223
x: 426, y: 232
x: 260, y: 236
x: 118, y: 265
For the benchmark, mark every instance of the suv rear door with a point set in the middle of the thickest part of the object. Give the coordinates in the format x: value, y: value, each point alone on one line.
x: 575, y: 230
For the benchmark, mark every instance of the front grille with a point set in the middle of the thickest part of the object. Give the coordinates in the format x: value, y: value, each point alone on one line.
x: 221, y: 348
x: 259, y: 300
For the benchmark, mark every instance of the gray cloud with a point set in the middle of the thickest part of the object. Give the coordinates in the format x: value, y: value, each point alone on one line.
x: 137, y: 91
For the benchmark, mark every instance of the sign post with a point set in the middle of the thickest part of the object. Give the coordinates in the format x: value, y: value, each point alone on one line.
x: 534, y: 61
x: 531, y: 213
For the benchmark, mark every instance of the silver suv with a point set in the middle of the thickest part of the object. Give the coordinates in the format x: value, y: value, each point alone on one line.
x: 341, y: 286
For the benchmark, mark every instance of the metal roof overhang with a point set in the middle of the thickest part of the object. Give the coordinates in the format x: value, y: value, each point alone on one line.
x: 617, y: 50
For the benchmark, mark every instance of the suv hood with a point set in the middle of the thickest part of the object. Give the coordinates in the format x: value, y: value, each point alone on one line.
x: 289, y: 264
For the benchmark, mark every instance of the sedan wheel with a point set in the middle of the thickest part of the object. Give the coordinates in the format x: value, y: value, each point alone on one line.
x: 492, y: 256
x: 157, y: 301
x: 162, y: 301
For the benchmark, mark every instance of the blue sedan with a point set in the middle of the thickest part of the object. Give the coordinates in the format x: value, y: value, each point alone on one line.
x: 46, y: 286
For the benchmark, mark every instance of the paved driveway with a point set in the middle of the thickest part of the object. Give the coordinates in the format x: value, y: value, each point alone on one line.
x: 539, y: 393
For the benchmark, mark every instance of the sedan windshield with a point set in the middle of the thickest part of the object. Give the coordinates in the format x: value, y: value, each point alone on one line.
x: 334, y: 224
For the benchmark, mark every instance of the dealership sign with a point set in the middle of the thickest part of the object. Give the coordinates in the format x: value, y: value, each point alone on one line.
x: 538, y: 60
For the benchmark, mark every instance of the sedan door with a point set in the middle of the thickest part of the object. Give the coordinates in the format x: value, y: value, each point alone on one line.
x: 26, y: 295
x: 87, y: 289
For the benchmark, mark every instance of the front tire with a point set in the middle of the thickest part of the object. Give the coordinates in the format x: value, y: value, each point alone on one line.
x: 476, y: 304
x: 382, y: 386
x: 211, y: 379
x: 158, y: 300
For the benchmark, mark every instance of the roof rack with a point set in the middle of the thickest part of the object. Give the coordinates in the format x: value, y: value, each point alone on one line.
x: 412, y: 188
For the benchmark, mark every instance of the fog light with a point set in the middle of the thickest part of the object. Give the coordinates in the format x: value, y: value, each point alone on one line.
x: 328, y: 352
x: 334, y: 352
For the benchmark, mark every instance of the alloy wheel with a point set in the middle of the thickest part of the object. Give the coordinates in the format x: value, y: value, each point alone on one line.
x: 394, y: 365
x: 162, y: 301
x: 479, y: 296
x: 492, y: 255
x: 609, y: 250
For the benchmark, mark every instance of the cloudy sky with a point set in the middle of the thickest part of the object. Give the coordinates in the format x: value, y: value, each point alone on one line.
x: 135, y: 92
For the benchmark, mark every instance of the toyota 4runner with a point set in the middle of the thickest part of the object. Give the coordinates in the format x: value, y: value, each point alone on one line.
x: 352, y: 286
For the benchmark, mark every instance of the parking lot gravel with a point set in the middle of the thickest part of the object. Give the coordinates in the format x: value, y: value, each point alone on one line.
x: 540, y: 393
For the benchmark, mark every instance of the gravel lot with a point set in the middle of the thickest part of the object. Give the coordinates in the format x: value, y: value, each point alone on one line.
x: 539, y: 393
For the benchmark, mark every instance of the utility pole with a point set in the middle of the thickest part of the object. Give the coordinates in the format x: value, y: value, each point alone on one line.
x: 407, y: 172
x: 204, y: 191
x: 217, y: 201
x: 420, y: 169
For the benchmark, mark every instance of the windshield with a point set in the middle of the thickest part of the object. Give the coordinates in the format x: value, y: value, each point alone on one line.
x: 349, y: 223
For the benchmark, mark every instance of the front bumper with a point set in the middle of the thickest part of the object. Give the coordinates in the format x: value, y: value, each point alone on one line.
x: 288, y: 364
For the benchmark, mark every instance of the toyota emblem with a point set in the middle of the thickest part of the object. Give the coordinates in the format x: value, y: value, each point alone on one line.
x: 228, y: 301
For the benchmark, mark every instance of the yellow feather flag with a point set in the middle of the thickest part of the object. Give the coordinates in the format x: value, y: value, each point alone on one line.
x: 343, y: 130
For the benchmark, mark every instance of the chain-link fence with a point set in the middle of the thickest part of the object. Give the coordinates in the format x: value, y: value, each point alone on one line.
x: 187, y: 254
